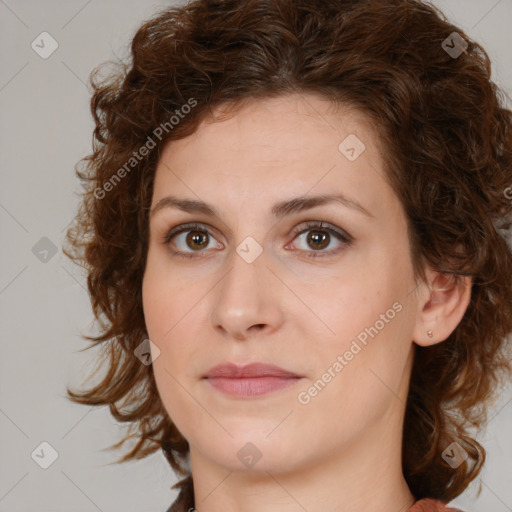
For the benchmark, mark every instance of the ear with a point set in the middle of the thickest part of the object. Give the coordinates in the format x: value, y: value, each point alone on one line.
x: 443, y: 300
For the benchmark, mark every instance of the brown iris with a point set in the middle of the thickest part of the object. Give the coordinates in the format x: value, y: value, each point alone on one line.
x: 318, y: 237
x: 197, y: 240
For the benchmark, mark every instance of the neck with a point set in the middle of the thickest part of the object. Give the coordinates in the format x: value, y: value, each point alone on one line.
x: 367, y: 475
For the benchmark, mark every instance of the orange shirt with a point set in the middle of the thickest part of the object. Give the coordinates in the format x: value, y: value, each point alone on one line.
x: 430, y: 505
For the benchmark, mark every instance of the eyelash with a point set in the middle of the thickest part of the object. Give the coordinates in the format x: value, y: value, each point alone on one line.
x: 340, y: 235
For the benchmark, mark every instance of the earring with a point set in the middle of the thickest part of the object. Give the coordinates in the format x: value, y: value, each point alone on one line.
x: 430, y: 334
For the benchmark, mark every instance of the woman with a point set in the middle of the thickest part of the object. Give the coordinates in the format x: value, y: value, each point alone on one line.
x: 295, y: 231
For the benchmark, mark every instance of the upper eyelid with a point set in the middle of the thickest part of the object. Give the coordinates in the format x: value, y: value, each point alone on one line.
x: 189, y: 226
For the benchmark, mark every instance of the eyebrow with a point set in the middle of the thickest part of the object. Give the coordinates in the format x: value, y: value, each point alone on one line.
x: 279, y: 210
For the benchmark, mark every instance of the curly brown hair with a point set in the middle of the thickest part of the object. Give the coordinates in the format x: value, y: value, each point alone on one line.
x: 448, y: 153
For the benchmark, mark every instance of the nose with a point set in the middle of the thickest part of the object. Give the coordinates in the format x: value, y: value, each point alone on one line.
x: 247, y: 300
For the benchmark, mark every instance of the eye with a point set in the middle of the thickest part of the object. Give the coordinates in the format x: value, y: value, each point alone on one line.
x: 317, y: 237
x: 193, y: 239
x: 190, y: 236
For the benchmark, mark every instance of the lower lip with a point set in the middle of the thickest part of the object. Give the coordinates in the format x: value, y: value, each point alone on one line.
x: 249, y: 387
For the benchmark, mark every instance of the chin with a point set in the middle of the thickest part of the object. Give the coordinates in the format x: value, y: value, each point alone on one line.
x: 252, y: 449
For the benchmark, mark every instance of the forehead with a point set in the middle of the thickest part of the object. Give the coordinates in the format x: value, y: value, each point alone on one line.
x: 286, y: 118
x: 275, y: 149
x: 287, y: 128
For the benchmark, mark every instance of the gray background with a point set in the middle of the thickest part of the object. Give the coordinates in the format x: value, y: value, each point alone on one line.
x: 45, y: 129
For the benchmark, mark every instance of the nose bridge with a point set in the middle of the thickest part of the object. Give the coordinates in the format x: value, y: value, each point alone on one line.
x: 245, y: 298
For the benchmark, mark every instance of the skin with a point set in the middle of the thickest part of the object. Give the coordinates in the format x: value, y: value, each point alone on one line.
x: 341, y: 451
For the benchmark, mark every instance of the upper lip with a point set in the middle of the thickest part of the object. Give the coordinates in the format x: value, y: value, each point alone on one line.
x: 232, y: 370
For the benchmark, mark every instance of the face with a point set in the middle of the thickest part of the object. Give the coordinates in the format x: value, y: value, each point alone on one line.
x: 245, y: 266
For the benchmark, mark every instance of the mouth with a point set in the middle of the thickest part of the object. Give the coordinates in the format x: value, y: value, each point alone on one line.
x: 252, y: 380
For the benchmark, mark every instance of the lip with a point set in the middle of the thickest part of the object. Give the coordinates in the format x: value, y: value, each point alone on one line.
x: 251, y: 380
x: 231, y: 370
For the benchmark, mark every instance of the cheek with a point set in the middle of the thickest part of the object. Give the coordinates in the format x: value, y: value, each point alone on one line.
x: 163, y: 308
x: 347, y: 305
x: 162, y: 298
x: 362, y: 372
x: 370, y: 315
x: 170, y: 306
